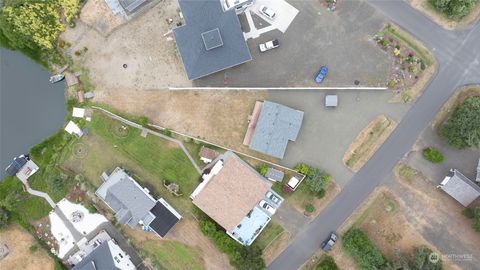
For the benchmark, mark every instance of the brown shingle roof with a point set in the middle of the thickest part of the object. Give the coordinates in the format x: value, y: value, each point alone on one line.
x: 232, y: 193
x: 208, y: 153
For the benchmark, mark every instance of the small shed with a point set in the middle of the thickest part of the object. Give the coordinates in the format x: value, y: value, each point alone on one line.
x: 274, y: 175
x: 460, y: 187
x: 78, y: 112
x: 72, y: 128
x: 331, y: 100
x: 207, y: 155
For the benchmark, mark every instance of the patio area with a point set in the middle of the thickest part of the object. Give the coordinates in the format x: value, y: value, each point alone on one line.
x: 251, y: 226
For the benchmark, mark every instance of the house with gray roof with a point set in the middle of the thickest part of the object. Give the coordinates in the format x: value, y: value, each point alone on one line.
x: 275, y: 127
x: 134, y: 205
x: 460, y: 187
x: 211, y: 39
x: 106, y: 255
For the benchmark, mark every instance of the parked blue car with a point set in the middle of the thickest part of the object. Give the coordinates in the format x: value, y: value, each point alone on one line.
x: 321, y: 74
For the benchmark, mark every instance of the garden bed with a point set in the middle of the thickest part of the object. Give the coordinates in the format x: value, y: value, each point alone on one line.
x: 367, y: 142
x: 412, y: 65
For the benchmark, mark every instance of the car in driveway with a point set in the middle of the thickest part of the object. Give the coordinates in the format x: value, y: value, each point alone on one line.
x: 322, y: 73
x: 267, y: 207
x: 269, y: 45
x: 267, y: 12
x: 328, y: 245
x: 274, y: 198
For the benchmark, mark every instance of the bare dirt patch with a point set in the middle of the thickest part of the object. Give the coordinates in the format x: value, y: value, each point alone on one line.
x: 20, y: 257
x: 367, y: 142
x: 220, y: 117
x: 440, y: 19
x: 138, y: 55
x: 455, y: 100
x: 276, y: 247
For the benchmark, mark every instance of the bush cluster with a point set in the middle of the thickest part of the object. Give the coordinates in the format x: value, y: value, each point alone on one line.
x: 327, y: 263
x: 462, y: 129
x: 241, y: 257
x: 454, y: 9
x: 358, y: 245
x: 315, y: 179
x: 432, y: 154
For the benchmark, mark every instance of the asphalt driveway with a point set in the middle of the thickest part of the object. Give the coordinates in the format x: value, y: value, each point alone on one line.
x: 326, y: 133
x: 341, y: 40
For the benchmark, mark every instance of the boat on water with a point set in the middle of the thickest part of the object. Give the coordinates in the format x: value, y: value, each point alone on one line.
x: 57, y: 78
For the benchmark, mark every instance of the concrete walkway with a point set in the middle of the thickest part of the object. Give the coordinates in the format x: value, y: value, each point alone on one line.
x: 39, y: 194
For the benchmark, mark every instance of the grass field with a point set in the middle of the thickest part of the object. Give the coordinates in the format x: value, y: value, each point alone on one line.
x: 151, y: 159
x: 268, y: 235
x: 172, y: 255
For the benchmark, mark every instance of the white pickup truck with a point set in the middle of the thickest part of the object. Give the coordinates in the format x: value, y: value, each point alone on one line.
x: 272, y: 44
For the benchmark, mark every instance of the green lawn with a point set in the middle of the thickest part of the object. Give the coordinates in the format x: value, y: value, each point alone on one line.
x: 172, y: 255
x: 268, y: 235
x: 151, y: 159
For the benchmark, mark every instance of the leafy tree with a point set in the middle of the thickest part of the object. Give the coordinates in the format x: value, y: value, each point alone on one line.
x: 476, y: 219
x: 462, y: 129
x: 309, y: 208
x: 316, y: 179
x: 10, y: 201
x: 422, y: 259
x: 358, y: 245
x: 302, y: 168
x: 327, y: 263
x: 454, y: 9
x: 433, y: 155
x: 4, y: 217
x: 262, y: 169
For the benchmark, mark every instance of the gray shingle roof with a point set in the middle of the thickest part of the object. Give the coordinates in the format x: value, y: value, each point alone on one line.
x: 129, y: 201
x: 274, y: 174
x: 211, y: 39
x: 461, y: 188
x: 276, y: 125
x: 99, y: 258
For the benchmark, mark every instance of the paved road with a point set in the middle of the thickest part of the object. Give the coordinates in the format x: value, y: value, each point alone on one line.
x: 458, y: 58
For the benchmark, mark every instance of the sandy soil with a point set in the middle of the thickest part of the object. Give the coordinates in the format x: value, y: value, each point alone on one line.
x: 217, y: 116
x: 446, y: 23
x: 188, y: 233
x: 367, y: 142
x: 151, y: 57
x: 19, y: 242
x: 276, y: 247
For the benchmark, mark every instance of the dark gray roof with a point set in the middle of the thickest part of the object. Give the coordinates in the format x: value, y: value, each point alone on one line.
x: 131, y: 5
x: 16, y: 165
x: 129, y: 201
x: 276, y: 125
x: 461, y: 188
x: 99, y: 259
x: 211, y: 39
x: 274, y: 174
x: 164, y: 219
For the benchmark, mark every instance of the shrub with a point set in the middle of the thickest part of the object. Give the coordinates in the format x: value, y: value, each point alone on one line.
x: 327, y: 263
x: 454, y: 9
x: 91, y: 209
x: 4, y: 218
x: 320, y: 194
x: 143, y: 120
x: 262, y: 169
x: 462, y: 129
x: 432, y: 154
x: 358, y: 245
x: 302, y: 168
x: 468, y: 213
x: 316, y: 179
x: 391, y: 83
x: 287, y: 189
x: 33, y: 248
x: 309, y: 208
x: 476, y: 219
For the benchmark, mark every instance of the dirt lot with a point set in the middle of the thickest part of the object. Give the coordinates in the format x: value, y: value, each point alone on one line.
x: 188, y: 233
x: 150, y: 57
x: 20, y: 257
x: 217, y: 116
x: 424, y: 7
x: 384, y: 218
x: 367, y: 142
